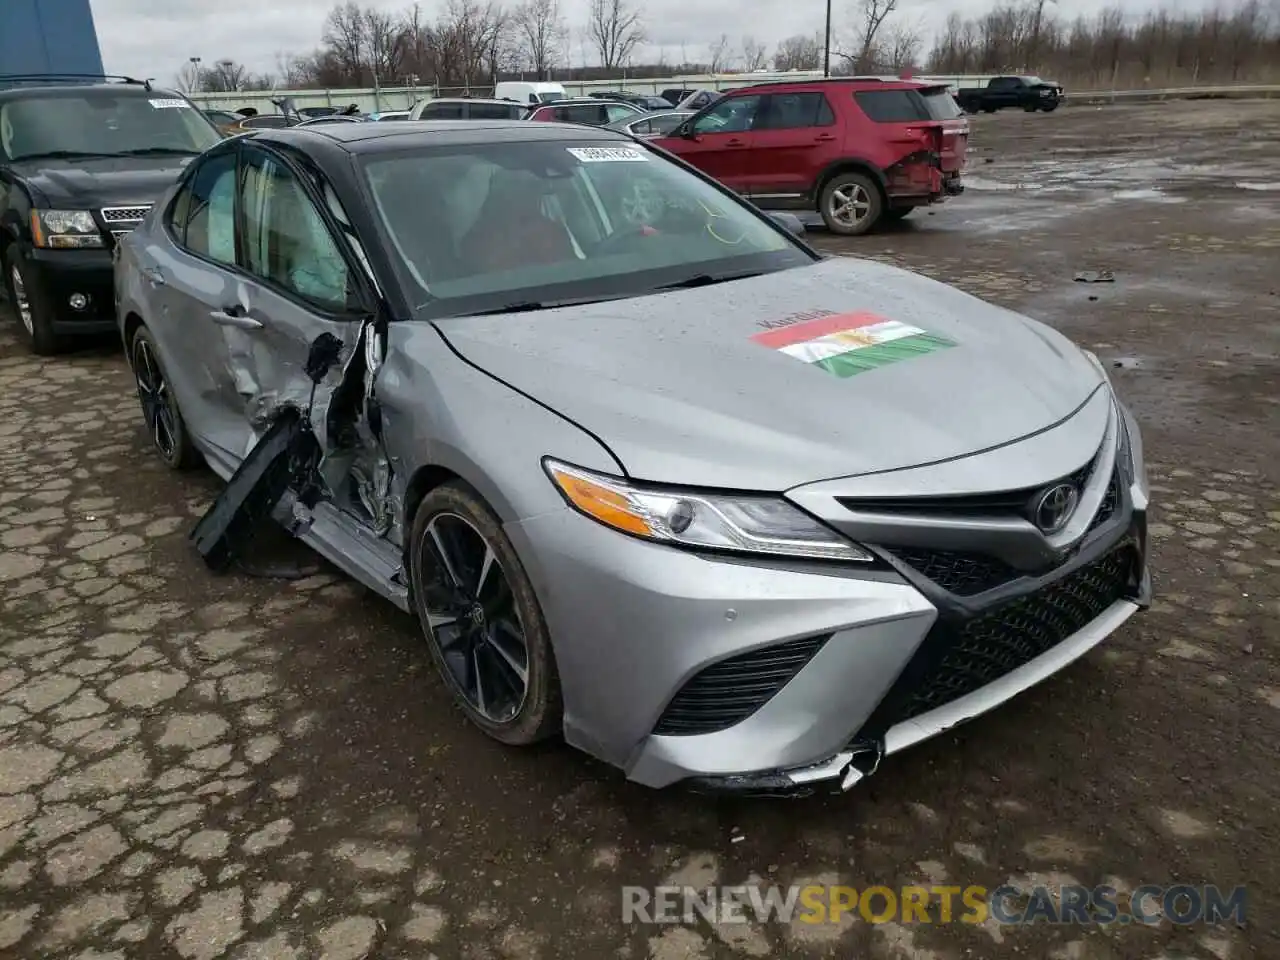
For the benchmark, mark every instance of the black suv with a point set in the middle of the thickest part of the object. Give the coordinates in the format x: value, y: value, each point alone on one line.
x: 81, y: 162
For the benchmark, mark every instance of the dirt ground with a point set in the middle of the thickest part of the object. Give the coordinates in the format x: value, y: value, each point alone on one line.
x: 200, y: 766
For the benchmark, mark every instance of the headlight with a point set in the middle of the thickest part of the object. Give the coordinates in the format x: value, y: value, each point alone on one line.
x: 64, y: 229
x: 745, y: 524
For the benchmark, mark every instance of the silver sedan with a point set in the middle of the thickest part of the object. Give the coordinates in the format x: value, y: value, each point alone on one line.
x: 652, y: 474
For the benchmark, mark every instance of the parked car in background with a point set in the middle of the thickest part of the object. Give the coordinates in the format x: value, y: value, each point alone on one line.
x: 588, y: 110
x: 643, y: 101
x: 265, y: 121
x: 224, y: 120
x: 698, y: 99
x: 857, y: 151
x: 332, y: 118
x: 527, y: 92
x: 1029, y: 93
x: 653, y: 475
x: 81, y: 163
x: 660, y: 123
x: 390, y: 115
x: 468, y: 108
x: 677, y: 95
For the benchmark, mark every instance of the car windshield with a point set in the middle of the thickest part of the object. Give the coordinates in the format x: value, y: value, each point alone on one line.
x: 529, y: 223
x: 102, y: 124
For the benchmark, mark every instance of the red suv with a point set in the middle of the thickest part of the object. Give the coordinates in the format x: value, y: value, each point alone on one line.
x: 856, y: 150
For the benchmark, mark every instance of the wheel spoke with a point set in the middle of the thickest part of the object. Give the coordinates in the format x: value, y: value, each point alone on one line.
x: 477, y: 674
x: 486, y: 565
x: 506, y: 657
x: 442, y: 554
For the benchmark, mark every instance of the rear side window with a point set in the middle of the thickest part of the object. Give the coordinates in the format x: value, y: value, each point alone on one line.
x: 490, y: 111
x: 891, y: 106
x: 942, y: 105
x: 583, y: 113
x: 787, y: 111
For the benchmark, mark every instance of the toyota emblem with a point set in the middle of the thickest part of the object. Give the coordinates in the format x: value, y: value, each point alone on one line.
x: 1055, y: 507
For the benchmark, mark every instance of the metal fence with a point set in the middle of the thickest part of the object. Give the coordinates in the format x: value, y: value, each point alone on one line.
x: 384, y: 99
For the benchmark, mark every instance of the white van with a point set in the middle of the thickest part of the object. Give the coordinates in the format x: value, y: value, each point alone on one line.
x: 528, y: 93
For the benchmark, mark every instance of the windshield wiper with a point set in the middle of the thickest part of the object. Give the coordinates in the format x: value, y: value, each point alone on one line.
x: 707, y: 279
x: 524, y: 306
x: 64, y: 155
x: 158, y: 152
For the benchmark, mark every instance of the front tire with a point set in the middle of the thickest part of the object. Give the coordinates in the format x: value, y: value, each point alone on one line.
x: 164, y: 421
x: 481, y: 618
x: 32, y: 307
x: 851, y: 204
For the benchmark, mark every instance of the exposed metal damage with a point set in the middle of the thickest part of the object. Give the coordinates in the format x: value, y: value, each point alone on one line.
x: 320, y: 443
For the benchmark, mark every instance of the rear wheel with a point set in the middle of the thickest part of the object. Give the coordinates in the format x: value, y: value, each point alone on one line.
x: 850, y: 204
x: 481, y: 618
x: 35, y: 315
x: 167, y: 429
x: 1050, y: 107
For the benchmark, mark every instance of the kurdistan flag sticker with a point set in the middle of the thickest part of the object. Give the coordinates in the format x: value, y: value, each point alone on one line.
x: 849, y: 343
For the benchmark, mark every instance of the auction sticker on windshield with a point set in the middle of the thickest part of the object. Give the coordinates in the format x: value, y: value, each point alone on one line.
x: 169, y: 104
x: 850, y: 343
x: 607, y: 154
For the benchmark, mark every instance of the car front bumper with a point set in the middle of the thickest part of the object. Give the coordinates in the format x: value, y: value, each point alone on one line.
x: 61, y: 274
x: 656, y: 648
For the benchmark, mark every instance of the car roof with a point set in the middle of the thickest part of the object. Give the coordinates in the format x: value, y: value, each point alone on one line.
x: 69, y: 88
x: 500, y: 100
x: 374, y: 137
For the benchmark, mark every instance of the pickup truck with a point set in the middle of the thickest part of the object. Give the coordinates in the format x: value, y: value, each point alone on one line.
x: 1029, y: 93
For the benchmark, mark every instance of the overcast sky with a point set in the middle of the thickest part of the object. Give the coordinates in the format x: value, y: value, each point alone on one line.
x: 154, y: 39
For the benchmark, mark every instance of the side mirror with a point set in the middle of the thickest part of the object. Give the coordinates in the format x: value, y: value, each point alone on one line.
x: 685, y: 130
x: 789, y: 222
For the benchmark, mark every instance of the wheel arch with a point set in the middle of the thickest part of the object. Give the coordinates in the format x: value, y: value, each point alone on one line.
x: 132, y: 322
x: 852, y: 165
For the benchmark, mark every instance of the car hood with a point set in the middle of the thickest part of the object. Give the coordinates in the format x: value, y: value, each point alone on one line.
x: 89, y: 184
x: 676, y: 386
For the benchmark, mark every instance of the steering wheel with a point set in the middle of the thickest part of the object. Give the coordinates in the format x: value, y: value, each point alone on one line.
x: 720, y: 227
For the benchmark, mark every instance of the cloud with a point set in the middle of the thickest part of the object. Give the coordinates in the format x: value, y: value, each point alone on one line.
x: 155, y: 39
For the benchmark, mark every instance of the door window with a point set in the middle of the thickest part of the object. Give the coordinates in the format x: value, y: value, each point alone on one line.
x: 490, y: 111
x: 286, y: 243
x: 641, y: 127
x: 616, y: 112
x: 787, y: 111
x: 731, y: 115
x: 202, y: 217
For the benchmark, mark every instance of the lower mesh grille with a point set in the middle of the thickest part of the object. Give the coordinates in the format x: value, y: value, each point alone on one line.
x: 731, y: 690
x: 959, y: 657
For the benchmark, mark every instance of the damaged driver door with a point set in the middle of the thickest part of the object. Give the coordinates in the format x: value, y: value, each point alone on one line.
x: 297, y: 286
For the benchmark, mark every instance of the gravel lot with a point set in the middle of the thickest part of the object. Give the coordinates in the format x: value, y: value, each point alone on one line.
x: 201, y: 766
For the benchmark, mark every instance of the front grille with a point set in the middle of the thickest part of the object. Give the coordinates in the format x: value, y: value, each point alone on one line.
x: 959, y: 656
x: 1002, y: 503
x: 125, y: 215
x: 731, y: 690
x: 964, y: 574
x: 1110, y: 502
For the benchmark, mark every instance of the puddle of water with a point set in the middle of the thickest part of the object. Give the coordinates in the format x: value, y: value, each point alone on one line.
x: 1153, y: 194
x: 1246, y: 185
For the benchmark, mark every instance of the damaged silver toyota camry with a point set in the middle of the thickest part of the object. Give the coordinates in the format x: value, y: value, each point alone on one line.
x: 651, y: 473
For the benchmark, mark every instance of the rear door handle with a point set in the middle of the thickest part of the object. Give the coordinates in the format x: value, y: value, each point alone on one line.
x: 824, y: 137
x: 734, y: 143
x: 155, y: 275
x: 231, y: 317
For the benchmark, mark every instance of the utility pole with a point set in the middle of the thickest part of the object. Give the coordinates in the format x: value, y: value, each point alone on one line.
x: 195, y: 74
x: 826, y: 47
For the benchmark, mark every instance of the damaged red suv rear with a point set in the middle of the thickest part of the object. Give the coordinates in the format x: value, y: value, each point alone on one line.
x: 857, y: 150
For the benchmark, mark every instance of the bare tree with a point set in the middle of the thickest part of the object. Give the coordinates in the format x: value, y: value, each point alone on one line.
x: 226, y: 76
x: 188, y: 78
x: 540, y: 34
x: 801, y: 52
x: 901, y: 46
x: 871, y: 17
x: 719, y: 54
x: 615, y: 30
x: 386, y: 43
x: 345, y: 41
x: 754, y: 55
